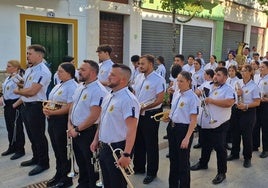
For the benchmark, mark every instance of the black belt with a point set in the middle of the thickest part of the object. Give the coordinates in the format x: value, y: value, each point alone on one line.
x: 10, y: 101
x: 87, y: 129
x: 153, y: 111
x: 114, y: 144
x: 178, y: 124
x: 32, y: 103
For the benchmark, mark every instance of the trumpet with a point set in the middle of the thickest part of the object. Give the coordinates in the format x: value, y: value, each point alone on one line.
x: 205, y: 108
x: 125, y: 172
x: 70, y: 156
x: 95, y: 161
x: 52, y: 105
x: 161, y: 116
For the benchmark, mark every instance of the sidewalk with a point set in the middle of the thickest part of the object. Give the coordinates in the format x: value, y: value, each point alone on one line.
x: 14, y: 176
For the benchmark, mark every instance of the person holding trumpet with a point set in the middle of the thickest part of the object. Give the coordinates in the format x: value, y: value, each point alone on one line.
x: 56, y: 110
x: 217, y: 111
x: 83, y: 115
x: 183, y: 118
x: 117, y: 130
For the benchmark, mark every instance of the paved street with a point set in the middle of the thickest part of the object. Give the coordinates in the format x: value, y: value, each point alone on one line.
x: 14, y: 176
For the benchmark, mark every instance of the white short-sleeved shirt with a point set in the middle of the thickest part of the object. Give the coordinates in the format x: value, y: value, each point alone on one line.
x: 250, y: 91
x: 134, y: 73
x: 116, y: 108
x: 8, y: 87
x: 161, y: 70
x: 188, y: 68
x: 183, y: 105
x: 105, y: 69
x: 229, y: 63
x: 218, y: 113
x: 198, y: 78
x: 63, y: 92
x: 146, y: 88
x: 37, y: 74
x: 232, y: 81
x: 211, y: 66
x: 263, y: 86
x: 86, y: 96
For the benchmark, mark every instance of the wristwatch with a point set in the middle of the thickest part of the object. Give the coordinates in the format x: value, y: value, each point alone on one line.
x: 126, y: 154
x: 77, y: 129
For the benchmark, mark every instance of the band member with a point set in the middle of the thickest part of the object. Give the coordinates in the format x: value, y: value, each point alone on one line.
x: 104, y: 53
x: 12, y: 116
x: 161, y: 69
x: 149, y: 88
x: 183, y: 116
x: 83, y: 115
x: 248, y: 99
x: 135, y: 60
x: 198, y: 74
x: 214, y: 125
x: 212, y: 63
x: 262, y: 113
x: 36, y: 80
x: 60, y: 95
x: 118, y: 125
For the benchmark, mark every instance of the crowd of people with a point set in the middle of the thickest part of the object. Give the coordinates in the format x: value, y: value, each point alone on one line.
x: 105, y: 107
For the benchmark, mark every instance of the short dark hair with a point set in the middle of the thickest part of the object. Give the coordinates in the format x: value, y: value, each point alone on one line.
x: 123, y: 67
x: 67, y: 58
x: 93, y: 64
x: 180, y: 56
x: 149, y: 57
x: 265, y: 63
x: 256, y: 54
x: 233, y: 67
x: 104, y: 48
x: 161, y: 60
x: 198, y: 61
x: 135, y: 58
x: 210, y: 72
x: 223, y: 70
x: 222, y: 62
x: 192, y: 56
x: 175, y: 70
x: 37, y: 48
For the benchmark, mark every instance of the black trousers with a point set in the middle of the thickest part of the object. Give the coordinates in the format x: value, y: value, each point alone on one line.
x: 146, y: 144
x: 112, y: 176
x: 35, y: 123
x: 83, y: 155
x: 215, y: 139
x: 57, y: 126
x: 243, y: 126
x: 179, y: 170
x: 11, y: 115
x: 261, y: 124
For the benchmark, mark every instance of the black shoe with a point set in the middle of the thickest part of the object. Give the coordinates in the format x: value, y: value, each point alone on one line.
x: 232, y: 157
x: 28, y: 163
x: 17, y: 155
x: 37, y: 170
x: 247, y: 163
x: 264, y: 154
x: 8, y: 152
x: 197, y: 146
x: 198, y: 166
x: 165, y: 137
x: 53, y: 181
x: 148, y: 179
x: 219, y: 178
x: 167, y: 155
x: 66, y: 182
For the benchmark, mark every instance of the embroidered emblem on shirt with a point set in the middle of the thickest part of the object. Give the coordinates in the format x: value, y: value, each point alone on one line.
x: 7, y: 87
x: 181, y: 104
x: 30, y: 78
x: 59, y: 93
x: 265, y: 83
x: 147, y: 87
x: 102, y: 72
x: 111, y: 108
x: 215, y: 93
x: 246, y: 91
x: 197, y: 77
x: 84, y: 97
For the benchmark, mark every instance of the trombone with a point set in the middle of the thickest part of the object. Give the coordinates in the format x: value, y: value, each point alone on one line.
x: 161, y: 116
x: 125, y: 172
x: 70, y: 156
x: 52, y: 105
x: 205, y: 108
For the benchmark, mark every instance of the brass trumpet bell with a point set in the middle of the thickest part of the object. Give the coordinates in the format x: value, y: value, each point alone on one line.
x: 53, y: 105
x: 161, y: 116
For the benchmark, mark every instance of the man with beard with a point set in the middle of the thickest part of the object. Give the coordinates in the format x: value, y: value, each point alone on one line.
x: 149, y: 88
x: 220, y: 99
x: 118, y: 125
x: 36, y: 80
x: 83, y: 115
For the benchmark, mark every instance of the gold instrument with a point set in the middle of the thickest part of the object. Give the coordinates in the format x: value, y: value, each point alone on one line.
x: 126, y: 172
x: 205, y: 108
x: 95, y: 161
x: 70, y: 156
x: 161, y: 116
x: 53, y: 105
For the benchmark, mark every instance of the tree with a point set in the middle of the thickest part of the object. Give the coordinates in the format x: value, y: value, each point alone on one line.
x: 264, y: 3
